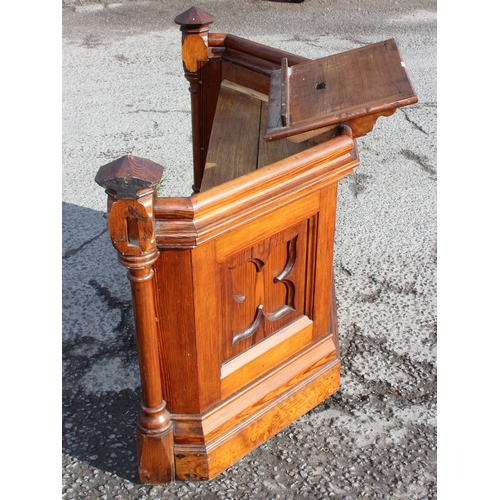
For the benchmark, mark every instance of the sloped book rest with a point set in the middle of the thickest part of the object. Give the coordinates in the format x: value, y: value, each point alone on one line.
x: 232, y: 287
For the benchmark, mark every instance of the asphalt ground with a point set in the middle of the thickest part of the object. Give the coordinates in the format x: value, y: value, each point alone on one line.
x: 376, y: 438
x: 124, y: 92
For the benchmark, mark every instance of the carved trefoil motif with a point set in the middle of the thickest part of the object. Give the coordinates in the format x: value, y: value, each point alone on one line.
x: 264, y: 287
x: 287, y: 307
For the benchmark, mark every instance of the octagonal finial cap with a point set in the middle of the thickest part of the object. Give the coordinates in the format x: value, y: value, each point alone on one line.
x: 193, y: 18
x: 128, y: 175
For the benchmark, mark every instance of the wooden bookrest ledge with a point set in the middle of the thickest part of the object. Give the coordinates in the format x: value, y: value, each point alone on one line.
x: 232, y: 287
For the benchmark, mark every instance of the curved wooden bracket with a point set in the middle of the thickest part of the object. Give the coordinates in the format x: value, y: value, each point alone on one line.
x: 361, y: 126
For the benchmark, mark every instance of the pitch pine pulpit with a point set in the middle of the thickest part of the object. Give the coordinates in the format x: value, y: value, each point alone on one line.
x: 232, y: 287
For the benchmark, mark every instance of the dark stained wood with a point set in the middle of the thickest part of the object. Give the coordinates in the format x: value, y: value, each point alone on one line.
x: 232, y: 287
x: 193, y: 18
x: 271, y: 152
x: 245, y: 77
x: 367, y: 81
x: 209, y: 80
x: 194, y: 25
x: 127, y: 175
x: 261, y: 51
x: 249, y: 61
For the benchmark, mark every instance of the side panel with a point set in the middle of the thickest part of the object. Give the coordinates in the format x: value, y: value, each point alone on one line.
x: 263, y: 289
x: 173, y: 282
x: 324, y: 261
x: 207, y: 318
x: 267, y: 274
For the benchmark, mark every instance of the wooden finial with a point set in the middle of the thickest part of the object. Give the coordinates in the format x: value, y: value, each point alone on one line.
x: 194, y: 18
x: 128, y: 175
x: 130, y: 183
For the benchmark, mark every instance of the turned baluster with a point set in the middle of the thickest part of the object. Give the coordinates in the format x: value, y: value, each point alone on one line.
x: 130, y: 183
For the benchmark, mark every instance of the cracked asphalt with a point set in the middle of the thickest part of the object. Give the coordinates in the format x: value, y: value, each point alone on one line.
x: 124, y: 92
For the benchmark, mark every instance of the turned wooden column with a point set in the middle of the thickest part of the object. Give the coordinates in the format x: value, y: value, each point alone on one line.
x: 194, y: 25
x: 130, y: 183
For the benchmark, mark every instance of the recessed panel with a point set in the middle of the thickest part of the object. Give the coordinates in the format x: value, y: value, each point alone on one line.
x: 264, y: 288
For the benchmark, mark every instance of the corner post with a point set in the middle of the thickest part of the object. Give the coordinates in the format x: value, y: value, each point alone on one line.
x: 130, y: 183
x: 194, y: 25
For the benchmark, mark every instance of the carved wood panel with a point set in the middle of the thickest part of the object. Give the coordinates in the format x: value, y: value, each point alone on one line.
x: 266, y: 286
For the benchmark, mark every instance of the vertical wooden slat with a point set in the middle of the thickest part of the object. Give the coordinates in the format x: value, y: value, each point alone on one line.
x: 209, y: 80
x: 207, y: 318
x: 176, y: 327
x: 324, y: 261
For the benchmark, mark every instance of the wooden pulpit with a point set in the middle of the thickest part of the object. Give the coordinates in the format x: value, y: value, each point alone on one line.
x: 232, y: 287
